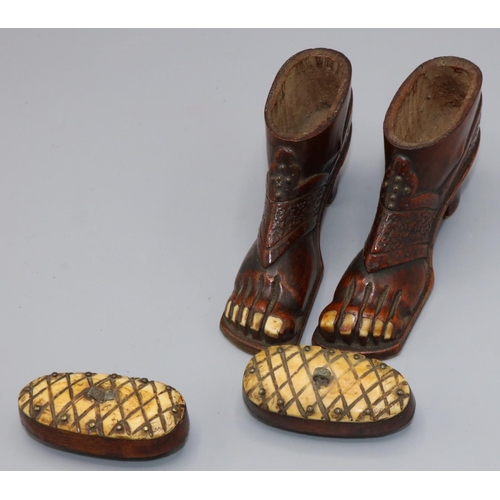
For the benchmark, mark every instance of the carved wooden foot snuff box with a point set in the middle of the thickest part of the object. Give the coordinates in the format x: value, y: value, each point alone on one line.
x: 326, y: 392
x: 110, y: 416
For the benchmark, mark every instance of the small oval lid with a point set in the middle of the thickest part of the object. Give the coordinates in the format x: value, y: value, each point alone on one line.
x: 96, y: 405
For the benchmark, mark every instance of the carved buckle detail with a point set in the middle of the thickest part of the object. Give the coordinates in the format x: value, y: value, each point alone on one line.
x: 292, y: 206
x: 400, y: 184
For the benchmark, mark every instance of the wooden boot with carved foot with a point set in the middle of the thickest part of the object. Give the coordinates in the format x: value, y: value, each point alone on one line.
x: 431, y: 133
x: 308, y: 124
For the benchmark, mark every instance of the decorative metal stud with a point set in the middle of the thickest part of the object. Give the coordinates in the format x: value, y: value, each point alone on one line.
x: 88, y: 374
x: 101, y: 395
x: 114, y: 375
x: 407, y: 190
x: 36, y: 408
x: 54, y: 374
x: 383, y: 366
x: 144, y: 380
x: 337, y: 411
x: 398, y: 178
x: 92, y: 424
x: 64, y: 418
x: 392, y: 197
x: 280, y: 350
x: 174, y: 410
x: 356, y: 356
x: 399, y: 392
x: 119, y: 427
x: 280, y: 402
x: 368, y: 411
x: 390, y: 206
x: 310, y: 409
x: 251, y: 370
x: 307, y: 348
x: 331, y: 351
x: 145, y: 428
x: 395, y: 189
x: 262, y: 392
x: 322, y: 376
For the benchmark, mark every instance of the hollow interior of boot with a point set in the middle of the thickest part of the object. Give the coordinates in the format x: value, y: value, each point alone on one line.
x: 433, y: 105
x: 308, y: 95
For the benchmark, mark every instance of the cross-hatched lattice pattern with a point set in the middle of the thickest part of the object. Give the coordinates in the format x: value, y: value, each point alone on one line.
x: 117, y: 407
x: 324, y: 384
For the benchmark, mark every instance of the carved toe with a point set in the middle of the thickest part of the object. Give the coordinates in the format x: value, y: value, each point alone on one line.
x: 327, y: 321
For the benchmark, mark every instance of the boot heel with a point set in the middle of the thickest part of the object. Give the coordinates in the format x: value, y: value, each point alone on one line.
x: 453, y: 204
x: 332, y: 195
x: 343, y: 154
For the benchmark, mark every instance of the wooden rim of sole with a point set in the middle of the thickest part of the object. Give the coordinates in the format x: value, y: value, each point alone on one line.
x: 334, y: 429
x: 120, y: 449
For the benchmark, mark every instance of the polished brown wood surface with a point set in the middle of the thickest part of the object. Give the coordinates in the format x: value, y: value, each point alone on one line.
x: 308, y: 126
x: 431, y: 133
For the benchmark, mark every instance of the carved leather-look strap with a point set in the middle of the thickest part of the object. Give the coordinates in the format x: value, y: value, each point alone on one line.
x: 399, y: 237
x: 291, y: 208
x: 283, y: 223
x: 404, y: 224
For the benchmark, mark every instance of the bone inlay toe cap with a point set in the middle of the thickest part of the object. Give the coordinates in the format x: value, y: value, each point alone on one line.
x: 347, y: 324
x: 109, y: 406
x: 388, y: 331
x: 256, y: 321
x: 312, y: 383
x: 273, y: 326
x: 228, y: 309
x: 366, y: 324
x: 244, y: 316
x: 235, y: 312
x: 379, y: 326
x: 327, y: 322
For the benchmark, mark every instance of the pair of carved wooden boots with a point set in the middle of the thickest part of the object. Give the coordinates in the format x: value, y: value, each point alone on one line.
x: 431, y: 136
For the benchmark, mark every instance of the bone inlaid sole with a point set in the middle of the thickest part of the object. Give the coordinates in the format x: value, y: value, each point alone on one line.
x: 312, y: 383
x: 110, y: 406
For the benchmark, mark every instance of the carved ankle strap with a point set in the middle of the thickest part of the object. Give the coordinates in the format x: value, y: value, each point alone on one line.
x: 283, y: 223
x: 404, y: 224
x: 399, y: 237
x: 292, y: 207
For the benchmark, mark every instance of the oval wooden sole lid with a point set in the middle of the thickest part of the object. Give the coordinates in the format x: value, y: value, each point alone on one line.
x: 326, y: 392
x: 110, y: 416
